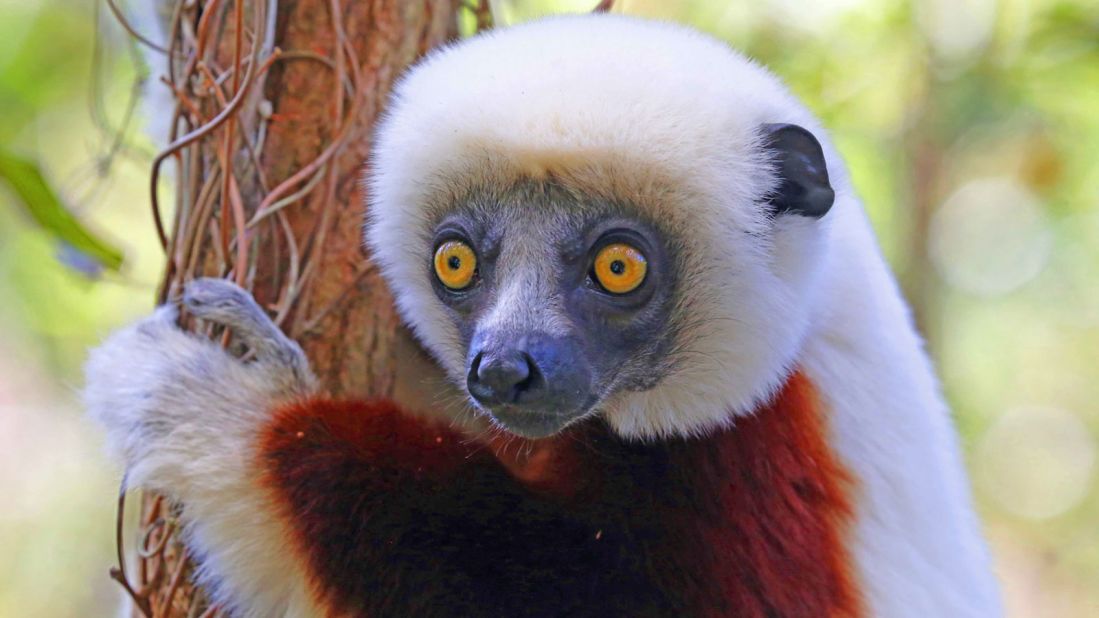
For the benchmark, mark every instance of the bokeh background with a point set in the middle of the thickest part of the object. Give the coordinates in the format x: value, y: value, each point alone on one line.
x: 972, y: 131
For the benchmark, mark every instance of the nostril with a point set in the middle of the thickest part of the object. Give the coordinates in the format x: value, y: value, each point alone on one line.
x: 474, y: 367
x: 502, y: 373
x: 533, y: 378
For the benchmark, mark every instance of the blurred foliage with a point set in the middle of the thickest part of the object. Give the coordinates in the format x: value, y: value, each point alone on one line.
x: 42, y: 203
x: 971, y: 128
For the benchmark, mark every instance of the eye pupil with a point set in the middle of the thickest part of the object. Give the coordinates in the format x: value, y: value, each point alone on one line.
x: 618, y: 267
x: 454, y: 262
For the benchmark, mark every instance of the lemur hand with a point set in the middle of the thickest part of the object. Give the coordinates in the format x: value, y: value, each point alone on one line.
x: 223, y: 302
x: 167, y: 398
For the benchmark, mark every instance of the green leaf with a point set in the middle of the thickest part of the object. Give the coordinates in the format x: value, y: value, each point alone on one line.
x: 44, y: 205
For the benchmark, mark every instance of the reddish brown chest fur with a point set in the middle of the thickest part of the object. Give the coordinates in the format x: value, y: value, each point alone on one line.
x: 396, y: 518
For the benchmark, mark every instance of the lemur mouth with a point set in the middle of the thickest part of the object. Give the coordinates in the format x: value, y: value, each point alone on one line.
x: 527, y: 421
x: 532, y: 424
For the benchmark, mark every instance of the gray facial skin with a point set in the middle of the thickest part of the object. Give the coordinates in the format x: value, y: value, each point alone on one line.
x: 545, y: 343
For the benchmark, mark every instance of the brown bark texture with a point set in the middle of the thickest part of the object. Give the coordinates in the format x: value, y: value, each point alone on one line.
x: 275, y: 100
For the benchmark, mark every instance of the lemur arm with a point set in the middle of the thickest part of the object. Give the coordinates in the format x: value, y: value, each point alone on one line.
x: 184, y: 416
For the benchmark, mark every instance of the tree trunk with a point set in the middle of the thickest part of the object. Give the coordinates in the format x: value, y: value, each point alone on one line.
x: 275, y: 103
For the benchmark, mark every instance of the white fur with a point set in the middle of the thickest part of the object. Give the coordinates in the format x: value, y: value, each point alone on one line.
x: 918, y: 540
x: 666, y: 118
x: 182, y: 414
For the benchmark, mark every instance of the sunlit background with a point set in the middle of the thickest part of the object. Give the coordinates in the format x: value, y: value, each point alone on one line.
x: 972, y: 131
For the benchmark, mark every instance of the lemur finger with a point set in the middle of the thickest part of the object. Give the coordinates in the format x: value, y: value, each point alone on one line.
x: 226, y: 303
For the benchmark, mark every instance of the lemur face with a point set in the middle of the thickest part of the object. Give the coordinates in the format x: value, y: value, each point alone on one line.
x: 559, y: 301
x: 632, y: 224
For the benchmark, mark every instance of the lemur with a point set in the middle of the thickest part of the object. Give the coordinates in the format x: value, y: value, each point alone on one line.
x: 644, y: 262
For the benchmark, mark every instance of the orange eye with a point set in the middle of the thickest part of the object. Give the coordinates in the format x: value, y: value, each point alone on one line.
x: 620, y: 268
x: 455, y: 264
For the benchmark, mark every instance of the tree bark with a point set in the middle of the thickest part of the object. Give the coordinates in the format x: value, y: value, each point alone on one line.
x: 275, y: 107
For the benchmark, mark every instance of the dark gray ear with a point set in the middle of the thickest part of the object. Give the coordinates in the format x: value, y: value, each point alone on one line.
x: 803, y: 176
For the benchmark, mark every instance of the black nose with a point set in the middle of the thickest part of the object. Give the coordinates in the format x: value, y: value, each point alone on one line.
x: 503, y: 376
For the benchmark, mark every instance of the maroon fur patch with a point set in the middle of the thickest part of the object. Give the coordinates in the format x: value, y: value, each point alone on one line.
x: 399, y: 518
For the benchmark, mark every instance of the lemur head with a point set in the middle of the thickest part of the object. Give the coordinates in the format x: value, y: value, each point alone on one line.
x: 602, y: 215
